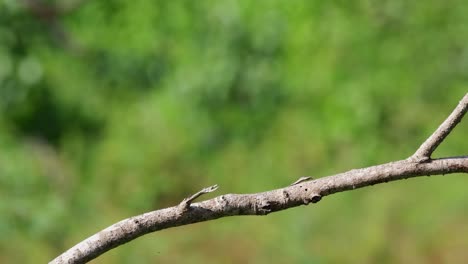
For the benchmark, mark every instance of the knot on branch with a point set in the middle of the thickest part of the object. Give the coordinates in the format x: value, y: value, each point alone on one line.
x: 263, y: 207
x: 314, y: 198
x: 285, y: 196
x: 222, y: 200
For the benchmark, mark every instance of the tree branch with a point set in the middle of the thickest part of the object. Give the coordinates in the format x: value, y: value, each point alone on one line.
x: 425, y: 150
x: 301, y: 192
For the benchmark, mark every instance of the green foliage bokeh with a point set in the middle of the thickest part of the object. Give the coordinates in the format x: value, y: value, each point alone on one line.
x: 112, y: 108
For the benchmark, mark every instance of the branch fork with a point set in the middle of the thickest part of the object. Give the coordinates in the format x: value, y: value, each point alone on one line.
x: 423, y: 154
x: 301, y: 192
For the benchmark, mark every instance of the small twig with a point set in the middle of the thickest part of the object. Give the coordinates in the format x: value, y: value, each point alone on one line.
x: 185, y: 204
x: 301, y: 179
x: 423, y: 154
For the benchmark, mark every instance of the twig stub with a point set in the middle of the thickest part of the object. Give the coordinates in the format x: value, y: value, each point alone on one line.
x: 185, y: 204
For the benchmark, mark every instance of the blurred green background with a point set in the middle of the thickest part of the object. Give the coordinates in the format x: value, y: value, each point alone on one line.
x: 109, y: 109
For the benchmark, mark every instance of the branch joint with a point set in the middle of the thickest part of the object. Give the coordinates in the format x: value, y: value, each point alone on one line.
x: 185, y: 204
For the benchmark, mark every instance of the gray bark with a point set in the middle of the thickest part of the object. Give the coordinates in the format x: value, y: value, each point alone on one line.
x: 302, y: 192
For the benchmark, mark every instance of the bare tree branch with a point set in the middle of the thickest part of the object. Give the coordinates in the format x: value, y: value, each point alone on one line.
x: 301, y: 192
x: 425, y: 150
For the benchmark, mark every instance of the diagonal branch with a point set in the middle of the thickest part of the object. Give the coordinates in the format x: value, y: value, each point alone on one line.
x: 425, y: 150
x: 301, y: 192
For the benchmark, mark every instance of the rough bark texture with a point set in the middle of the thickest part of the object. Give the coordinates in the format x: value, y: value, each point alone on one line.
x: 302, y: 192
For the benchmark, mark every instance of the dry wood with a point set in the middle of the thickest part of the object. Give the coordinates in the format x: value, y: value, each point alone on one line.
x: 301, y: 192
